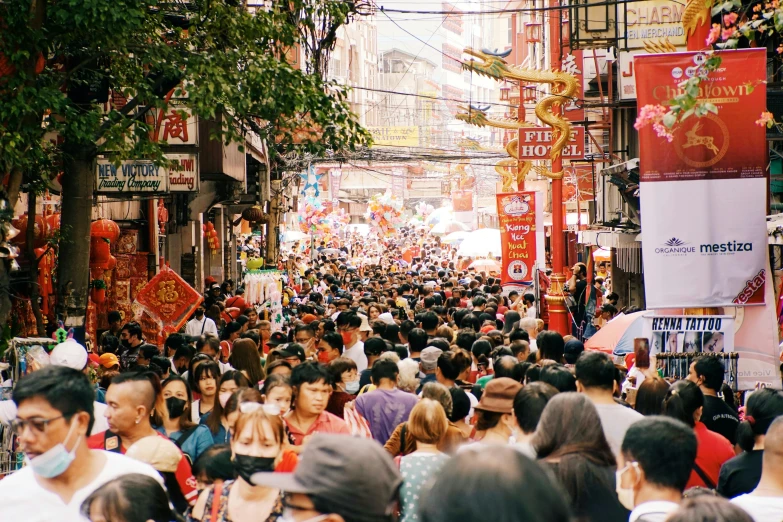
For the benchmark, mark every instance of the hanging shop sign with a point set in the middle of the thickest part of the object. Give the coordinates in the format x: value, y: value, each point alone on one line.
x: 395, y: 136
x: 579, y: 181
x: 654, y: 21
x: 573, y: 63
x: 697, y: 252
x: 521, y: 220
x: 176, y: 125
x: 535, y: 143
x: 398, y: 183
x: 183, y: 172
x: 131, y: 176
x: 689, y: 333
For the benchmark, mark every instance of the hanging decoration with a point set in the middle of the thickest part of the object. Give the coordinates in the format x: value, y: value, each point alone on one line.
x: 315, y: 219
x: 384, y: 211
x: 168, y: 300
x: 311, y: 181
x: 211, y: 236
x: 103, y: 233
x: 163, y: 217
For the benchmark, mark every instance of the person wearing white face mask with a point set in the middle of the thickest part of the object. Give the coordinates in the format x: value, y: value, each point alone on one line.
x: 653, y: 467
x: 55, y: 414
x: 345, y: 381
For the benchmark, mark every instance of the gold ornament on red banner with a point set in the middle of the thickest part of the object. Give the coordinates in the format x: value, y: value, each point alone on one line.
x: 169, y: 299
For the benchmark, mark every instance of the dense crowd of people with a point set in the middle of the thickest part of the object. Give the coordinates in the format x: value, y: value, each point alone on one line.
x: 416, y: 391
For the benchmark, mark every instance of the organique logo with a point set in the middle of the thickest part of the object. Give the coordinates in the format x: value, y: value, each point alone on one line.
x: 675, y: 247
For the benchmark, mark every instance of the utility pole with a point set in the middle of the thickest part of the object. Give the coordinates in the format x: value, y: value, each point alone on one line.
x: 558, y: 313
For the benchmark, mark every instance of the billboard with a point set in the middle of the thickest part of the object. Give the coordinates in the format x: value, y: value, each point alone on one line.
x: 704, y: 194
x: 395, y: 136
x: 521, y: 221
x: 654, y: 21
x: 536, y: 142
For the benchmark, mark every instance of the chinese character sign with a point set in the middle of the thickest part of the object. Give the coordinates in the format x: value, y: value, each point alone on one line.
x: 520, y: 222
x: 572, y: 64
x: 169, y: 299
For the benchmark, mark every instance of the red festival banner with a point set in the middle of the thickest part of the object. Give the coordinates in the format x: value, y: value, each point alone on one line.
x: 520, y: 222
x: 703, y: 194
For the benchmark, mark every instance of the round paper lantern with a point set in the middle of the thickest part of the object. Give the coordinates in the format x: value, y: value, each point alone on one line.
x: 52, y: 224
x: 111, y: 263
x: 255, y: 263
x: 100, y: 252
x: 254, y: 214
x: 39, y: 233
x: 105, y: 229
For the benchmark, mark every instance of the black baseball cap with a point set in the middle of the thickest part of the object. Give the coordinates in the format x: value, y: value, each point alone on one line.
x: 276, y: 339
x: 351, y: 477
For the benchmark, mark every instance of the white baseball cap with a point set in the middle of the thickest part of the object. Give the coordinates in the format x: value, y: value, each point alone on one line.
x: 70, y: 354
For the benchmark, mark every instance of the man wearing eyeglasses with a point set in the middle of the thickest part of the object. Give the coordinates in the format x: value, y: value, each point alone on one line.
x: 55, y: 415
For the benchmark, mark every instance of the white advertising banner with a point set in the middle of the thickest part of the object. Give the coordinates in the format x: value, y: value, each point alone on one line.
x: 712, y: 250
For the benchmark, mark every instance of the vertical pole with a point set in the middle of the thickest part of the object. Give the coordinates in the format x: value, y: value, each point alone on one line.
x: 558, y: 314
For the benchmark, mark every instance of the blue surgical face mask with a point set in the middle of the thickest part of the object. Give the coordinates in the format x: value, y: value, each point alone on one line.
x: 352, y: 387
x: 53, y: 462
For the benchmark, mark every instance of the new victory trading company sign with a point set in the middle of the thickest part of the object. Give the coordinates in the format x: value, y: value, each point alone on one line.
x: 130, y: 176
x: 536, y: 142
x: 703, y: 195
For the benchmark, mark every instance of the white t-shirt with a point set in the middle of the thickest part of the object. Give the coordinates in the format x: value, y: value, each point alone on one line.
x: 762, y: 509
x: 196, y: 327
x: 22, y: 498
x: 615, y: 420
x: 8, y: 414
x: 356, y: 354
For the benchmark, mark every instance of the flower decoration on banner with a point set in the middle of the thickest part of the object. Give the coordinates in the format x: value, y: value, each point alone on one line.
x: 384, y: 212
x: 311, y: 179
x: 168, y: 299
x: 211, y: 235
x: 315, y: 219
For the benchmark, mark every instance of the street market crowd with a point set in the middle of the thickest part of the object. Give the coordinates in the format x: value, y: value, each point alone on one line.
x: 403, y: 385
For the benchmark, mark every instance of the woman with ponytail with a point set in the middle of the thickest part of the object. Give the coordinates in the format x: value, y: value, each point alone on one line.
x: 684, y: 401
x: 741, y: 474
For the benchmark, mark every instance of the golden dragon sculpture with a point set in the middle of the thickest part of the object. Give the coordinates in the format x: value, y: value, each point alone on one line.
x: 564, y: 86
x: 506, y: 168
x: 696, y: 12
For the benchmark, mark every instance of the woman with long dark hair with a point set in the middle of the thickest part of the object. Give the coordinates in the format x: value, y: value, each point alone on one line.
x: 570, y: 441
x: 173, y: 419
x: 741, y: 474
x: 244, y: 357
x: 685, y: 401
x: 130, y: 498
x: 216, y: 421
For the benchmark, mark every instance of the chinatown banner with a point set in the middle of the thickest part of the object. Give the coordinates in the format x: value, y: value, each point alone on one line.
x: 521, y: 221
x: 704, y: 194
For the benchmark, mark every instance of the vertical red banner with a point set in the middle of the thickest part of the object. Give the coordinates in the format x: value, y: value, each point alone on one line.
x: 517, y: 215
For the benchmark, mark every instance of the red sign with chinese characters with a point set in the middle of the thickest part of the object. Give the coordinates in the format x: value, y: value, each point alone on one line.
x: 517, y: 215
x: 573, y: 64
x: 169, y: 299
x: 536, y: 142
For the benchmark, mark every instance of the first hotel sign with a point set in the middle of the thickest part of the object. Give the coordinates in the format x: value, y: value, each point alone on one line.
x: 130, y: 177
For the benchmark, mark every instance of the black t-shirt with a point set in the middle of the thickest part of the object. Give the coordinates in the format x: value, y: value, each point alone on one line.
x: 579, y: 295
x: 720, y: 417
x: 741, y: 474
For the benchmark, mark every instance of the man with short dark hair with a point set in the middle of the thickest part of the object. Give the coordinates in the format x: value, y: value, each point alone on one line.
x: 765, y: 502
x: 338, y: 482
x: 595, y: 377
x: 115, y: 323
x: 530, y: 303
x: 386, y: 406
x: 373, y: 349
x: 417, y: 341
x: 304, y: 334
x: 348, y: 324
x: 707, y: 372
x: 54, y: 419
x: 429, y: 323
x: 529, y: 403
x: 312, y: 387
x: 653, y: 467
x: 330, y: 347
x: 131, y: 339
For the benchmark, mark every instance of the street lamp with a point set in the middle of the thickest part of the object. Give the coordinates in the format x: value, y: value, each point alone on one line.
x: 533, y: 32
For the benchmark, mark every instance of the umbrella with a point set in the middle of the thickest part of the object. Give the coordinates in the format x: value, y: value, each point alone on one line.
x: 486, y: 265
x: 454, y: 237
x: 292, y: 236
x: 441, y: 214
x: 618, y: 334
x: 481, y: 243
x: 447, y: 227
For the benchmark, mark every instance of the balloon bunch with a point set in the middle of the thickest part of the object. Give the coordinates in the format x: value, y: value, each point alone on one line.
x: 211, y: 235
x: 315, y: 219
x: 384, y: 211
x: 424, y: 209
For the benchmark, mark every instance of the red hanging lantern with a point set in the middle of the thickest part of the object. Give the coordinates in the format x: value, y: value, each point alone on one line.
x: 254, y: 214
x: 105, y: 229
x: 163, y: 216
x: 39, y: 234
x: 100, y: 252
x: 111, y: 263
x: 52, y: 224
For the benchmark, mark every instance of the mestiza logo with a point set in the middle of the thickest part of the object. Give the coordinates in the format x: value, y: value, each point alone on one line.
x: 727, y: 247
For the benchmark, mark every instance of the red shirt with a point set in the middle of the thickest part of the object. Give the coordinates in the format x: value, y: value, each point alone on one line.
x: 713, y: 450
x: 185, y: 479
x: 325, y: 423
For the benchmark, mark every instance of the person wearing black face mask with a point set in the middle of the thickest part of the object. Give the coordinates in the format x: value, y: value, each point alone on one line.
x: 130, y: 341
x: 172, y: 418
x: 256, y: 446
